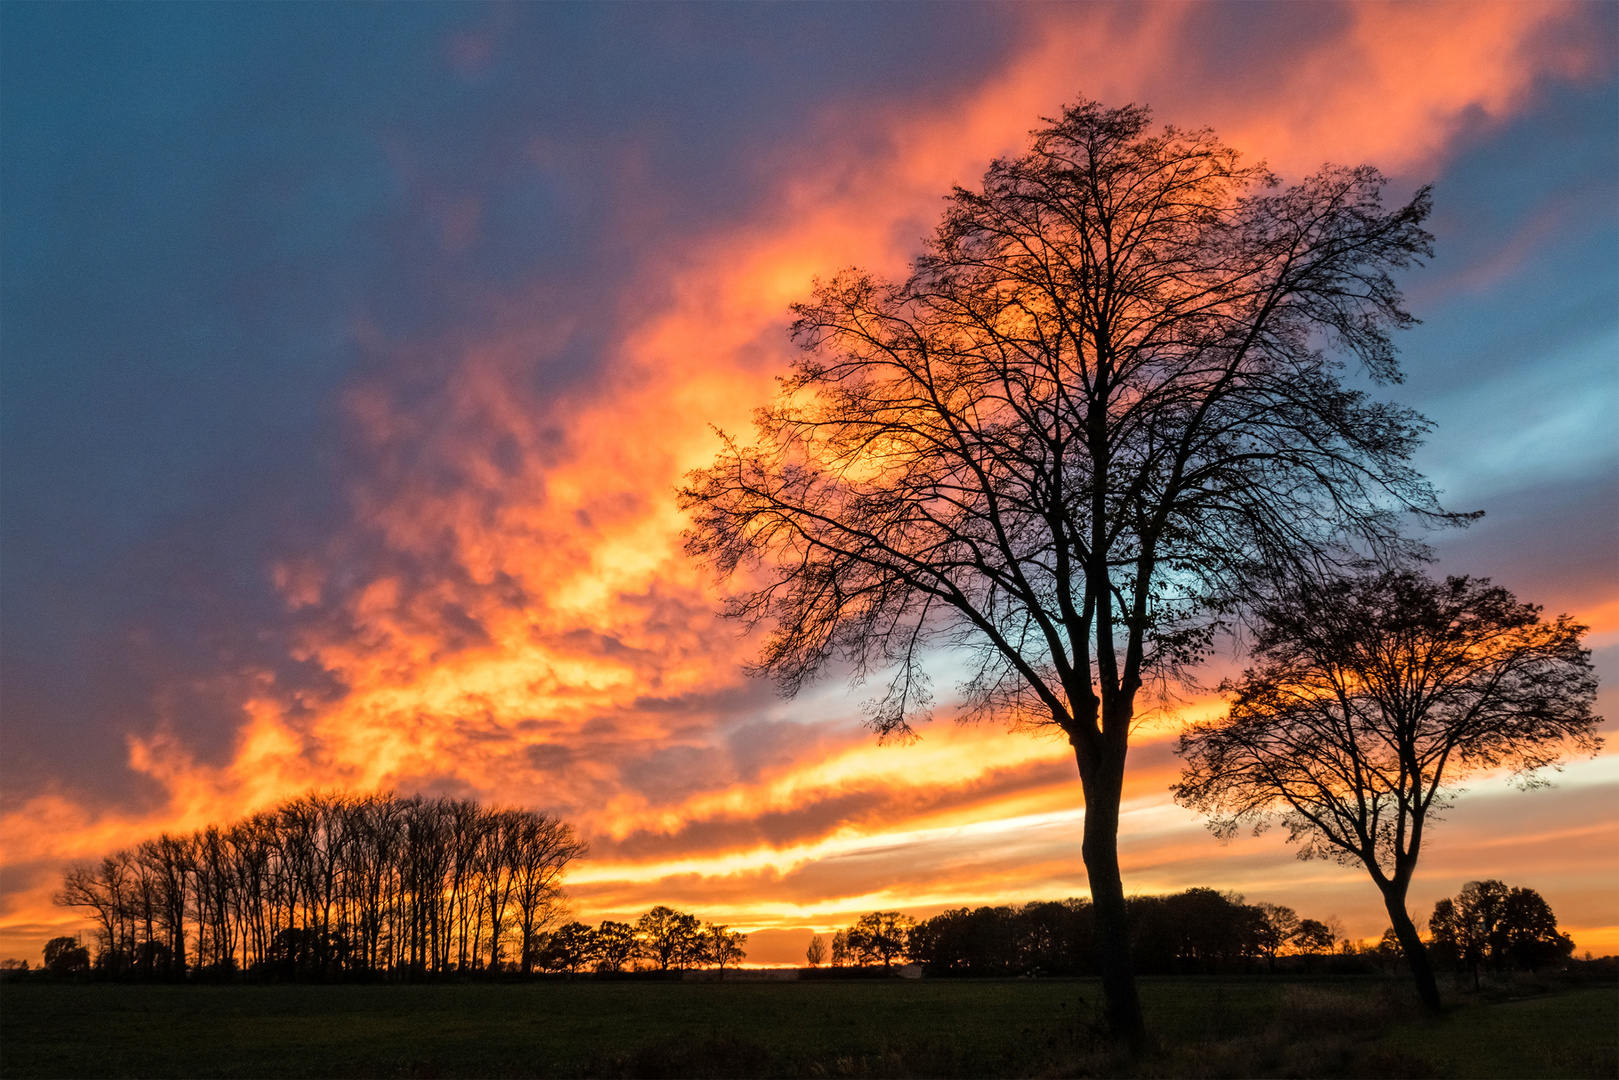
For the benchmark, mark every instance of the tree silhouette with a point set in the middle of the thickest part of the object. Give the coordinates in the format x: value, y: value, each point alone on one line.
x: 815, y: 953
x: 1196, y: 931
x: 616, y: 945
x: 1375, y: 693
x: 880, y: 937
x: 668, y: 937
x: 66, y: 956
x: 1532, y: 939
x: 1313, y: 938
x: 1488, y: 923
x: 721, y: 947
x: 1066, y: 440
x: 840, y: 949
x: 1279, y: 924
x: 570, y: 947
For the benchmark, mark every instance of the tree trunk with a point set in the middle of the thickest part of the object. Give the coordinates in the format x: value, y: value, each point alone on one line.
x: 1104, y: 787
x: 1416, y: 954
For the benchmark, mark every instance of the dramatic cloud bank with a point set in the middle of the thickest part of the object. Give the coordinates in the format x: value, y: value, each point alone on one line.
x: 495, y: 601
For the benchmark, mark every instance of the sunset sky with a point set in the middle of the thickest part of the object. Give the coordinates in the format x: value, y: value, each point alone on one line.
x: 352, y: 353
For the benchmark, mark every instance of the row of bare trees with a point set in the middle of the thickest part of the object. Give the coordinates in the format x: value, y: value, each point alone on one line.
x: 329, y: 886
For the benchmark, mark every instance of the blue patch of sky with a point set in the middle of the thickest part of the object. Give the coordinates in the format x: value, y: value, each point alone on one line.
x: 201, y: 201
x: 1518, y: 358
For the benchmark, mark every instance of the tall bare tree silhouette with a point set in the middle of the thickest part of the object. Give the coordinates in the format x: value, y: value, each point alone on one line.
x: 1065, y: 440
x: 1374, y: 694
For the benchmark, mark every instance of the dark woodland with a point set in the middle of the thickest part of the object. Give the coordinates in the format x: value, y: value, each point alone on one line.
x: 1488, y: 926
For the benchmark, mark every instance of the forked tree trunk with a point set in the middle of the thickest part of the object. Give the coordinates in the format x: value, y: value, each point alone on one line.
x: 1416, y: 953
x: 1104, y: 787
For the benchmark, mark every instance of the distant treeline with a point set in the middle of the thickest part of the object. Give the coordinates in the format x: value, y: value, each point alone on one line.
x: 349, y: 886
x: 1199, y: 931
x: 330, y: 886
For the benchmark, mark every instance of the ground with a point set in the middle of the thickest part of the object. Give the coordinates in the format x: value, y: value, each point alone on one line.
x: 1016, y: 1027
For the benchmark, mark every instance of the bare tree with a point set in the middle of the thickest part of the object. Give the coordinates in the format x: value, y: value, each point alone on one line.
x: 840, y: 949
x: 83, y: 886
x: 545, y: 848
x: 668, y: 937
x: 498, y: 856
x: 615, y: 945
x: 816, y: 952
x: 1376, y: 692
x: 1065, y: 440
x: 722, y: 947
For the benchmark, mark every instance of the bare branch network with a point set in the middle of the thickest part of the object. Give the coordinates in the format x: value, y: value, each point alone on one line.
x: 1093, y: 407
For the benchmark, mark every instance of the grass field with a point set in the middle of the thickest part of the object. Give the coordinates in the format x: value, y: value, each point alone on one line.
x: 1350, y: 1027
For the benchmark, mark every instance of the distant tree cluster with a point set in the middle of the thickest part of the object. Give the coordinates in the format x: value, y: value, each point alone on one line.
x: 1192, y: 932
x: 332, y: 886
x: 663, y: 940
x: 877, y: 938
x: 1488, y: 925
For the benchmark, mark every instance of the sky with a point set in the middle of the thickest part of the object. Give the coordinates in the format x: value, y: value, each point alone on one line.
x: 350, y: 356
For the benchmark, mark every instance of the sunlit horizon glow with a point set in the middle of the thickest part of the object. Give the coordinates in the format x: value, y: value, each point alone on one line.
x: 501, y: 607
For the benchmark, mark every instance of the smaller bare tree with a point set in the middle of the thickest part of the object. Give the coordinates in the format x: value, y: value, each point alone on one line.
x: 841, y: 954
x: 722, y: 947
x: 816, y: 953
x: 615, y: 945
x: 1375, y: 693
x: 669, y: 938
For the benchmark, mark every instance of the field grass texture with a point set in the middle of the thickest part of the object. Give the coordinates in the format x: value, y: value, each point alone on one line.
x: 890, y: 1028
